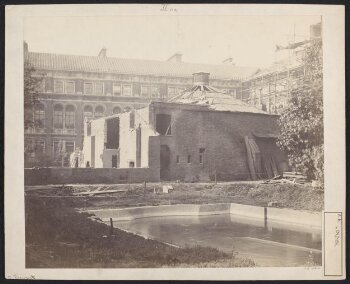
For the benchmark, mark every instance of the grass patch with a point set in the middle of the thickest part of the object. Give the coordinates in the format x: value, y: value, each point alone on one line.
x: 59, y: 237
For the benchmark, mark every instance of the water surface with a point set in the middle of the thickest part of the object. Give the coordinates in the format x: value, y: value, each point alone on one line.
x: 267, y: 243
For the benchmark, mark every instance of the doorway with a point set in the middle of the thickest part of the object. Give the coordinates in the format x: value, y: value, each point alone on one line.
x: 164, y: 162
x: 114, y: 161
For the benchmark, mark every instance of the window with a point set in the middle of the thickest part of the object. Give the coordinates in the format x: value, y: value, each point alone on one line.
x: 144, y: 91
x: 201, y: 152
x: 99, y: 88
x: 155, y: 92
x: 127, y: 90
x: 99, y: 112
x: 88, y: 113
x: 189, y: 159
x: 163, y: 124
x: 69, y: 147
x: 171, y: 91
x: 57, y: 147
x: 39, y: 146
x: 39, y: 116
x: 116, y: 89
x: 88, y: 88
x: 131, y: 164
x: 180, y: 90
x: 70, y: 117
x: 58, y: 116
x: 117, y: 110
x: 69, y: 87
x: 177, y: 159
x: 58, y: 86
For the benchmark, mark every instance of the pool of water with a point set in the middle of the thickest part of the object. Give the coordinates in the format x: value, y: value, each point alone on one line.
x: 267, y: 243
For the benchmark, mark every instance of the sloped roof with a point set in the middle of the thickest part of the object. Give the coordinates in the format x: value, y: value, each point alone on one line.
x: 50, y: 61
x: 215, y: 99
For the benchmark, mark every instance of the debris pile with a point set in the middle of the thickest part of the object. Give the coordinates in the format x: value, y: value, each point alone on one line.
x: 287, y: 177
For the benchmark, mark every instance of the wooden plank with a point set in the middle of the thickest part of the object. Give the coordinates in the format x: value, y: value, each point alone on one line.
x: 250, y: 159
x: 274, y: 167
x: 267, y: 167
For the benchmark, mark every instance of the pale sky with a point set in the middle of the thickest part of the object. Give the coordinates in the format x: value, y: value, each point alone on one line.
x: 249, y: 40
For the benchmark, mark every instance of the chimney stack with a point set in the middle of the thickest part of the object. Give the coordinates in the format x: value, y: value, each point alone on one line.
x: 103, y: 52
x: 201, y: 78
x: 177, y: 57
x: 228, y: 61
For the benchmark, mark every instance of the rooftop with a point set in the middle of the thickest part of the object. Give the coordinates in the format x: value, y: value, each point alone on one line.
x: 104, y: 64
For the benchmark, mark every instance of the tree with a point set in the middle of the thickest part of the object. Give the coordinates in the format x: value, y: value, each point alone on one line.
x: 32, y: 85
x: 301, y: 121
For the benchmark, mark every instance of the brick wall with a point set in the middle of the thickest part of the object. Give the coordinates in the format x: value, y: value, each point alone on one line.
x: 221, y: 134
x: 89, y: 175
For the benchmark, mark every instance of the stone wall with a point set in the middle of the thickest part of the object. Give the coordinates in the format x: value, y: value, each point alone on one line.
x: 40, y: 176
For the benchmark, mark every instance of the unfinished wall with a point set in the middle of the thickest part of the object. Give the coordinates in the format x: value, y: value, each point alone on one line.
x: 128, y: 139
x: 220, y: 134
x: 88, y: 175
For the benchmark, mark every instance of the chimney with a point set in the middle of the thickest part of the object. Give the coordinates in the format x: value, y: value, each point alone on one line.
x: 25, y: 47
x: 103, y: 52
x: 201, y: 78
x: 177, y: 57
x: 228, y: 61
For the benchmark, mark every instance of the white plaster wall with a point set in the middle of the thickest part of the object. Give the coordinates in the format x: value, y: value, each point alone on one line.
x: 98, y: 130
x: 127, y: 141
x: 87, y: 150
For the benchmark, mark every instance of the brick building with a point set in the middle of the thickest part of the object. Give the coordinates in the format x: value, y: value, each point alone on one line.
x: 77, y: 88
x: 200, y: 135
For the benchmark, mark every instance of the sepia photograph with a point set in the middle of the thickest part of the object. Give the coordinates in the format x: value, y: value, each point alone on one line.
x: 175, y: 141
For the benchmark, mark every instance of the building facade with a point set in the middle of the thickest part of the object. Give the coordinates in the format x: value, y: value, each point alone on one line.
x: 269, y: 88
x: 78, y: 88
x: 200, y: 135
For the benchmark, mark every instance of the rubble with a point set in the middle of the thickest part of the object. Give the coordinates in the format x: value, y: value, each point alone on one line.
x: 287, y: 177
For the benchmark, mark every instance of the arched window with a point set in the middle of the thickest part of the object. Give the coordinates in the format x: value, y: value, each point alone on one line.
x: 70, y: 117
x: 88, y: 113
x: 99, y: 111
x: 39, y: 116
x: 117, y: 110
x: 126, y: 109
x: 58, y: 116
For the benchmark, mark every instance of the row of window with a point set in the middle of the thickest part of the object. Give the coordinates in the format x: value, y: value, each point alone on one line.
x: 64, y: 117
x: 118, y: 89
x: 59, y: 147
x: 189, y: 157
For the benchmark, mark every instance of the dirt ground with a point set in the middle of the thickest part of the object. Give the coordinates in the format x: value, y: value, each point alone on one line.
x: 294, y: 196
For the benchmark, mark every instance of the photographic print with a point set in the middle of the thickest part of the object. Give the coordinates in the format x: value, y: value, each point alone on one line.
x: 171, y: 140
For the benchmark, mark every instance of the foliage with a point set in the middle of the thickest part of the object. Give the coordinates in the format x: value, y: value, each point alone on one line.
x: 31, y: 89
x: 301, y: 121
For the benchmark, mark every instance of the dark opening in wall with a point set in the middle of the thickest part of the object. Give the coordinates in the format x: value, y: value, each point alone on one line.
x: 163, y: 124
x: 131, y: 164
x: 112, y: 133
x: 189, y: 159
x: 132, y: 119
x: 88, y: 130
x: 177, y: 159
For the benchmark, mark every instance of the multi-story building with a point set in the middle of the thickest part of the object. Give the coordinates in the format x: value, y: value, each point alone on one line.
x: 77, y: 88
x: 269, y: 88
